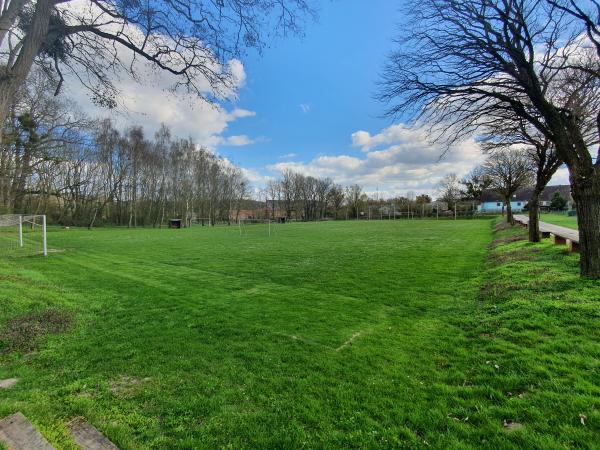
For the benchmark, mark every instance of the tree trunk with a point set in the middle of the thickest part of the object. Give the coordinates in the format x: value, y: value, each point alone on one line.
x: 509, y: 213
x: 16, y: 75
x: 534, y: 216
x: 586, y: 194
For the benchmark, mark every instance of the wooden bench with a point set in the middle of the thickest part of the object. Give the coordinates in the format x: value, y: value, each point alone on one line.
x: 562, y: 235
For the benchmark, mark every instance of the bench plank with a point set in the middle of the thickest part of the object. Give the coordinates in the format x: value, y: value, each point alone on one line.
x: 18, y: 433
x: 556, y: 230
x: 88, y: 437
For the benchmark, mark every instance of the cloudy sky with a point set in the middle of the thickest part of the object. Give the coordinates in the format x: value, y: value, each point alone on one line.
x: 307, y: 104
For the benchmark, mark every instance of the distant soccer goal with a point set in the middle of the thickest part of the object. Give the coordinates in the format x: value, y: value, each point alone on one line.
x: 23, y: 235
x: 256, y: 227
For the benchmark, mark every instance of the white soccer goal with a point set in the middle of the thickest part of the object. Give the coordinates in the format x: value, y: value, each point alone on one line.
x: 23, y: 235
x: 256, y: 226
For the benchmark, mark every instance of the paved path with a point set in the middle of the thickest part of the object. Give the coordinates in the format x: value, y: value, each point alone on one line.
x: 564, y: 232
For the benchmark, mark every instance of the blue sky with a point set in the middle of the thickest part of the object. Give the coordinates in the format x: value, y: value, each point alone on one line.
x: 306, y: 104
x: 310, y: 94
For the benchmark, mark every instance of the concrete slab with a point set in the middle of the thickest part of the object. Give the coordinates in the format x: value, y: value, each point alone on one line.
x: 88, y: 437
x: 18, y: 433
x: 8, y: 383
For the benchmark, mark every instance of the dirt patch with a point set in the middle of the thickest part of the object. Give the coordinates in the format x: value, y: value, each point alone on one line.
x: 496, y: 290
x: 126, y: 385
x: 499, y: 258
x: 506, y: 240
x: 23, y: 333
x: 509, y: 425
x: 503, y: 225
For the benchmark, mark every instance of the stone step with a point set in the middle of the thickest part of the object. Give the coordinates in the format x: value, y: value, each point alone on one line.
x: 88, y: 437
x: 8, y: 383
x: 18, y: 433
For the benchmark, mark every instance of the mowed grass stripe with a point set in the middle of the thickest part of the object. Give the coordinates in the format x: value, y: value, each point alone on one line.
x: 208, y: 319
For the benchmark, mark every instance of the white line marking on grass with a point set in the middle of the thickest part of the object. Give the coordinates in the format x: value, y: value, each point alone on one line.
x: 310, y: 342
x: 348, y: 342
x: 303, y: 340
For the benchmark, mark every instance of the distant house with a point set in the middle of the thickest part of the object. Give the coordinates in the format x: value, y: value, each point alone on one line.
x: 244, y: 214
x: 492, y: 202
x: 257, y: 213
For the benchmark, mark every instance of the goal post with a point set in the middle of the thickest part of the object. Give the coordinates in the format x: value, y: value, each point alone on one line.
x: 255, y: 226
x: 23, y: 234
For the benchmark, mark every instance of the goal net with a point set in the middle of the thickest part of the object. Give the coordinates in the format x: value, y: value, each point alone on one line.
x: 22, y: 235
x: 258, y: 227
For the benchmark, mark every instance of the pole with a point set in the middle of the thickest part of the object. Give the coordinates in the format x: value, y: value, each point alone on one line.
x: 20, y: 231
x: 45, y: 249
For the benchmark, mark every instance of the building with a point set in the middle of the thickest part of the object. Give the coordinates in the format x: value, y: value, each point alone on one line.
x: 492, y: 202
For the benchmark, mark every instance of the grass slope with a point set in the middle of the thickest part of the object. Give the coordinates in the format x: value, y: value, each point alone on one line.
x: 379, y: 334
x: 560, y: 219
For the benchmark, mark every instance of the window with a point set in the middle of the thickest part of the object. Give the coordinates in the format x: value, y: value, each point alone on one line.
x: 518, y: 203
x: 498, y: 204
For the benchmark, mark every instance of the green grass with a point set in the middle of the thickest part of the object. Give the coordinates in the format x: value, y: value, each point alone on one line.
x: 364, y: 335
x: 559, y: 219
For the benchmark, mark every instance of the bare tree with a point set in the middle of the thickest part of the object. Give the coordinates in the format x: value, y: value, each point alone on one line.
x: 519, y: 135
x: 475, y: 184
x: 467, y: 63
x: 38, y: 130
x: 449, y: 190
x: 354, y: 197
x: 509, y: 171
x: 511, y: 132
x: 336, y: 199
x: 192, y: 40
x: 273, y: 196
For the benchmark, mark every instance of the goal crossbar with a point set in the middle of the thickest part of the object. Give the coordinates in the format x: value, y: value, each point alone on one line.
x: 10, y: 220
x: 243, y: 222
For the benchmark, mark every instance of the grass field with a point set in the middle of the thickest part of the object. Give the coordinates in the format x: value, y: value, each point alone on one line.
x: 560, y: 219
x: 406, y: 334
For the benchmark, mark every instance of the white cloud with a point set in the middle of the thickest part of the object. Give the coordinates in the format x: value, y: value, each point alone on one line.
x: 150, y: 101
x: 288, y: 156
x: 305, y: 108
x: 255, y: 177
x: 560, y: 177
x: 149, y: 104
x: 237, y: 141
x: 394, y: 133
x: 407, y: 161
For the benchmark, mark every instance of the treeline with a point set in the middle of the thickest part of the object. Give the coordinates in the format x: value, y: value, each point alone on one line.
x: 86, y: 173
x: 302, y: 197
